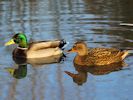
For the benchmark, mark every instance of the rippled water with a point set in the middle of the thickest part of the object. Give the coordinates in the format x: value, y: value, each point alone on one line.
x: 94, y: 21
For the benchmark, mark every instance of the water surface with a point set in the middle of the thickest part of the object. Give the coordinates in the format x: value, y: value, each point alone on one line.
x: 94, y: 21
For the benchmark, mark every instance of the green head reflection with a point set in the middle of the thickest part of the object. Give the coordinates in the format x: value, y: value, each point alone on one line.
x: 19, y: 72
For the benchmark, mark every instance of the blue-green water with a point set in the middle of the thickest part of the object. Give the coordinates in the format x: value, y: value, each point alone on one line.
x: 94, y: 21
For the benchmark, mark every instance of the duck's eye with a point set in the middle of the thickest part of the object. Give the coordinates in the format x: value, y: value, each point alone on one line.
x: 79, y: 47
x: 15, y: 41
x: 74, y: 46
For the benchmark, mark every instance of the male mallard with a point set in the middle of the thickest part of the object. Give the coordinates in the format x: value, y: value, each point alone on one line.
x: 40, y: 49
x: 96, y: 56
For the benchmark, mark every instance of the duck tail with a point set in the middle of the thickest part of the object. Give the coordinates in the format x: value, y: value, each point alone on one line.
x: 125, y: 53
x: 63, y: 44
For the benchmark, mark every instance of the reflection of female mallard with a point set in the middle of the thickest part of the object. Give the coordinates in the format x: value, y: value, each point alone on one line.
x: 81, y: 76
x: 38, y: 49
x: 96, y: 56
x: 19, y: 72
x: 101, y: 70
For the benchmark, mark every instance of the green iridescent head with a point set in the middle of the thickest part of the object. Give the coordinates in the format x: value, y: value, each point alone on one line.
x: 20, y: 39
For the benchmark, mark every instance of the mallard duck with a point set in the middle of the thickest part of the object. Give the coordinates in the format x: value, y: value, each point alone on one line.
x: 38, y: 49
x: 96, y: 56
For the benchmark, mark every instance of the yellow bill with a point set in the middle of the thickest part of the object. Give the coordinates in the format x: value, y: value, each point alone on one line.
x: 10, y: 70
x: 9, y: 42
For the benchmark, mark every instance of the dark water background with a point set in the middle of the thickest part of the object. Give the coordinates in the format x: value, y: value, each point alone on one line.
x: 94, y: 21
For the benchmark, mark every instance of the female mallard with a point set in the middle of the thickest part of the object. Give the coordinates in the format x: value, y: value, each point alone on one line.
x: 96, y: 56
x: 39, y: 49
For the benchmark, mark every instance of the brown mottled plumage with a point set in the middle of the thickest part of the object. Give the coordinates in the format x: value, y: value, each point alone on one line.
x: 96, y: 56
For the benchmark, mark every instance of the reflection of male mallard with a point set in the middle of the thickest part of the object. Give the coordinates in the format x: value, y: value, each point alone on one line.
x: 18, y: 73
x: 38, y: 49
x: 96, y: 56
